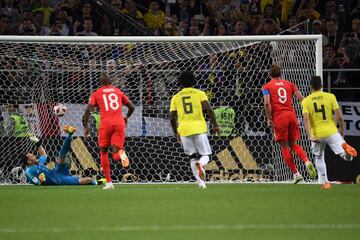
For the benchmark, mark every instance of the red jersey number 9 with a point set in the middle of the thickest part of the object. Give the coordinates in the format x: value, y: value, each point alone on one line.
x: 111, y: 101
x: 282, y: 95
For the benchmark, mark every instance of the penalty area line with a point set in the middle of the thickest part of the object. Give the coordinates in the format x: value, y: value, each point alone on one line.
x: 215, y: 227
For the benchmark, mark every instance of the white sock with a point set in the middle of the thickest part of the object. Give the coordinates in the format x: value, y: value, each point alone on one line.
x: 204, y: 160
x: 321, y: 169
x: 297, y: 175
x: 109, y: 184
x: 194, y: 170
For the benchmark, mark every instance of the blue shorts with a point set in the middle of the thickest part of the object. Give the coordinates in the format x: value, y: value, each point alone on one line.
x: 63, y: 175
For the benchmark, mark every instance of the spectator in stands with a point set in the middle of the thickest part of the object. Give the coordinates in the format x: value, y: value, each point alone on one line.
x: 342, y: 79
x: 329, y: 11
x: 22, y: 5
x: 332, y: 33
x: 171, y: 26
x: 355, y: 12
x: 117, y: 4
x: 131, y: 10
x: 269, y: 27
x: 182, y: 29
x: 244, y: 11
x: 239, y: 28
x: 293, y: 26
x: 5, y: 25
x: 355, y: 33
x: 26, y: 28
x: 183, y: 11
x: 255, y: 22
x: 329, y: 56
x: 269, y: 14
x: 55, y: 29
x: 27, y: 15
x: 307, y: 10
x: 228, y: 21
x: 86, y: 12
x: 47, y: 10
x: 317, y: 29
x: 220, y: 30
x: 355, y: 26
x: 66, y: 27
x: 351, y: 46
x: 41, y: 29
x: 88, y: 28
x: 9, y: 10
x: 155, y: 18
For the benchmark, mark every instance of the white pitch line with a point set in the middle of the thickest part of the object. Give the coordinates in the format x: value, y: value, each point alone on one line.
x: 182, y: 228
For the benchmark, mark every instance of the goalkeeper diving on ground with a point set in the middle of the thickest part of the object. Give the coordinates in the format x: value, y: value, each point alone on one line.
x: 38, y: 174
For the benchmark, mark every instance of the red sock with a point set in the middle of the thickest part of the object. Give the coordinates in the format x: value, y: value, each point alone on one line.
x: 116, y: 156
x: 105, y: 164
x: 299, y: 151
x: 289, y: 159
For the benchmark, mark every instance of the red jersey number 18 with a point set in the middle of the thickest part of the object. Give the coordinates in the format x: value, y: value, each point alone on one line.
x: 111, y: 101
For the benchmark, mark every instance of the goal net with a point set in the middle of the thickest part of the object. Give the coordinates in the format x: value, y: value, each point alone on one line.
x: 40, y: 72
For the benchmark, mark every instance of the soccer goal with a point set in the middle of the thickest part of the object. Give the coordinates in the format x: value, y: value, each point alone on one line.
x: 40, y: 72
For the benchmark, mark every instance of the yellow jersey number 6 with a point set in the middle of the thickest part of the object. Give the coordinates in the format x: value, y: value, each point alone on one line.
x: 188, y: 107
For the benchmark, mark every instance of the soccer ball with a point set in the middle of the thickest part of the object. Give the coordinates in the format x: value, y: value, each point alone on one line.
x: 59, y: 110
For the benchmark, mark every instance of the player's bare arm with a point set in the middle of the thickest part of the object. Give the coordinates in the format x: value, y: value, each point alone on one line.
x: 340, y: 120
x: 206, y: 105
x: 173, y: 117
x: 299, y: 96
x: 88, y: 110
x: 130, y: 111
x: 267, y: 106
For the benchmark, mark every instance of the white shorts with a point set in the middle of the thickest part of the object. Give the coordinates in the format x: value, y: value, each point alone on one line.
x: 334, y: 141
x: 196, y: 144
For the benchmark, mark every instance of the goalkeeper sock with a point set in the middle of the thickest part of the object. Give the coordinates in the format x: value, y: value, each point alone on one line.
x: 66, y: 146
x: 299, y: 151
x: 105, y: 164
x: 289, y: 159
x: 204, y: 160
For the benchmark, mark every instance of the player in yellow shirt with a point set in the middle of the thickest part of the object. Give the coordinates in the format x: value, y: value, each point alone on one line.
x: 187, y: 106
x: 321, y: 129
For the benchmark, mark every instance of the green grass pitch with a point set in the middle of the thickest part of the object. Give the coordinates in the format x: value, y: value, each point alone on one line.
x: 223, y: 211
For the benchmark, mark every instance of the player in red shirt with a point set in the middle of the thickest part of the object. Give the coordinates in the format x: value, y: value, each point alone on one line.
x: 109, y: 100
x: 281, y: 116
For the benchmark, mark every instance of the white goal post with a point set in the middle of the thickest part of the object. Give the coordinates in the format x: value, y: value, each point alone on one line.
x: 38, y: 72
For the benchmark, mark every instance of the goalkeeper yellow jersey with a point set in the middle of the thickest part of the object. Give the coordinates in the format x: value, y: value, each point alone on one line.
x: 187, y: 104
x: 320, y: 106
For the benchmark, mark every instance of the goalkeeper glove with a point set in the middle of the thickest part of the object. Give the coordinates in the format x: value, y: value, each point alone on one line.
x: 42, y: 177
x: 35, y: 140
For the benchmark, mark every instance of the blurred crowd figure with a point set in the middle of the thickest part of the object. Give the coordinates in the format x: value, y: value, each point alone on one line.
x: 337, y: 20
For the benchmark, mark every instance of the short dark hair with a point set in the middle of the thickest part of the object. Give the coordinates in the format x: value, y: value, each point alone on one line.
x: 275, y: 71
x: 316, y: 83
x: 187, y: 79
x: 24, y: 159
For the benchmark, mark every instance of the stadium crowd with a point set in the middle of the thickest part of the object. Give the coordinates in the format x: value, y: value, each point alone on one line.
x: 338, y: 21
